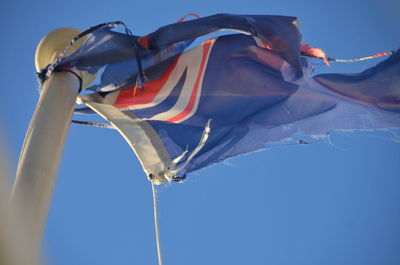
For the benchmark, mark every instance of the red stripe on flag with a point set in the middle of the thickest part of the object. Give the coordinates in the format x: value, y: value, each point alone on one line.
x: 266, y: 45
x: 134, y: 96
x: 144, y: 41
x: 189, y: 107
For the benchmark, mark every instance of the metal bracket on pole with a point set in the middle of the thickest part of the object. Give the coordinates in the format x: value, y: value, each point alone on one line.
x: 44, y: 142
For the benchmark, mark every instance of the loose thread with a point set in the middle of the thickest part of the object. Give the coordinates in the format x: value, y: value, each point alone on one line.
x: 349, y: 60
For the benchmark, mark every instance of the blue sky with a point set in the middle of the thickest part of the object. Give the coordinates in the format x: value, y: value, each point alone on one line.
x: 330, y: 202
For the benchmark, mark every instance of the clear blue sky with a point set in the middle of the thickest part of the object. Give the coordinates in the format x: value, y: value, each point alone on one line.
x: 328, y: 203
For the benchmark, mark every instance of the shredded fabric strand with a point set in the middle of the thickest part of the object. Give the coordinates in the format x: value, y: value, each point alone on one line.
x: 349, y: 60
x: 93, y: 124
x: 173, y: 171
x: 153, y: 187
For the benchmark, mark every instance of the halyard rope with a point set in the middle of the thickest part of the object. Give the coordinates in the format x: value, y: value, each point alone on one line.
x: 93, y: 124
x: 156, y: 222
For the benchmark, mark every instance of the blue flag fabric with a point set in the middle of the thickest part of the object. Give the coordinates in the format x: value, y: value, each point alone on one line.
x: 230, y: 95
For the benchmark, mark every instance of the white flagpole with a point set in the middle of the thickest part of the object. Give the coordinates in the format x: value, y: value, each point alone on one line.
x: 41, y: 153
x: 44, y: 142
x: 14, y: 249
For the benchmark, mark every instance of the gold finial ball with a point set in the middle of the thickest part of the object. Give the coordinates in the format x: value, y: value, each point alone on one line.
x: 53, y: 44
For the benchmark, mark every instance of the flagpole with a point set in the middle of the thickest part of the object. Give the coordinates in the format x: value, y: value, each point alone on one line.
x: 14, y: 249
x: 41, y: 152
x: 44, y: 142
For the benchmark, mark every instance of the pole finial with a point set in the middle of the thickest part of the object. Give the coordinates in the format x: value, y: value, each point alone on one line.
x: 53, y: 45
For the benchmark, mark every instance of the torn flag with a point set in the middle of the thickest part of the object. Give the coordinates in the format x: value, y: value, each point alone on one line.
x: 229, y: 95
